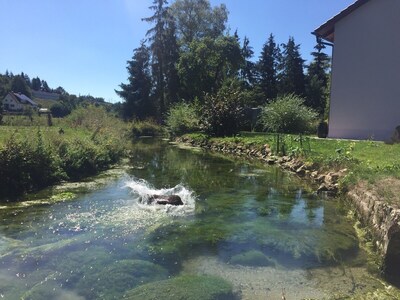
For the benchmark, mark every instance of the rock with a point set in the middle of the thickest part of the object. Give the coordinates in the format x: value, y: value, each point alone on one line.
x: 301, y: 171
x: 166, y: 199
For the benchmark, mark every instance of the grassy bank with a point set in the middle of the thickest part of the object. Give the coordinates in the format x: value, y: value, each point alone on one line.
x: 368, y: 161
x: 33, y: 157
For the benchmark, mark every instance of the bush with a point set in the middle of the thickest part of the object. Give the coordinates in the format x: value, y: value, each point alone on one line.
x: 223, y: 112
x: 27, y: 165
x: 182, y: 118
x: 59, y: 110
x: 146, y: 128
x: 288, y: 114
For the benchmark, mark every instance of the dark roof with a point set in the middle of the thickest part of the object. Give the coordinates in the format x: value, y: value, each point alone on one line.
x: 327, y: 30
x: 23, y: 99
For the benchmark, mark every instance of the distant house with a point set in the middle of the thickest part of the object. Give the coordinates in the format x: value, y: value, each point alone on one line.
x: 365, y: 87
x: 17, y: 102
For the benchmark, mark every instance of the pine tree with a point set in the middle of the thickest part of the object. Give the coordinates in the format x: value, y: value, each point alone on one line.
x: 36, y: 84
x: 268, y: 68
x: 292, y: 79
x: 156, y: 36
x: 18, y: 85
x: 317, y: 79
x: 171, y: 58
x: 248, y: 68
x: 136, y: 92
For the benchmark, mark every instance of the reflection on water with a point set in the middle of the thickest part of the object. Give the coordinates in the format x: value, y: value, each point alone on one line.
x: 257, y: 228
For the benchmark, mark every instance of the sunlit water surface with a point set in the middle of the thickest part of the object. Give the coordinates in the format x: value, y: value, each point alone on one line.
x: 256, y: 227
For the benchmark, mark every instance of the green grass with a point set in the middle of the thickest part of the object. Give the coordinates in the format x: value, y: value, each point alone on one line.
x: 365, y: 160
x: 45, y: 103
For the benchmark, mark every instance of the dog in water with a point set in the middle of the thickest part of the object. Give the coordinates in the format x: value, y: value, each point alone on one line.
x: 166, y: 199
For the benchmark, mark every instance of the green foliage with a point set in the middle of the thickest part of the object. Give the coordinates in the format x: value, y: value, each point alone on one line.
x: 27, y: 165
x: 136, y: 93
x: 207, y: 64
x: 292, y: 79
x: 183, y: 118
x: 288, y: 114
x: 19, y: 85
x: 146, y: 128
x: 223, y: 112
x: 31, y: 161
x: 186, y: 287
x: 209, y: 21
x: 59, y: 110
x: 267, y: 68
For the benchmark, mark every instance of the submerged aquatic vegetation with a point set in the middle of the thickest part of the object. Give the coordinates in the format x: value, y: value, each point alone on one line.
x: 186, y: 287
x: 251, y: 258
x: 113, y: 280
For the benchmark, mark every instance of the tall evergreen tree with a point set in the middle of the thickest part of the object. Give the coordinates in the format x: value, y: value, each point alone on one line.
x: 36, y: 84
x: 292, y: 79
x: 171, y: 58
x: 268, y: 68
x: 248, y: 68
x: 136, y: 92
x: 18, y: 85
x: 156, y: 36
x: 317, y: 79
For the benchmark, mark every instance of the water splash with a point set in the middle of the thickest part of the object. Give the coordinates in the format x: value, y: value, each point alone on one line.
x: 142, y: 190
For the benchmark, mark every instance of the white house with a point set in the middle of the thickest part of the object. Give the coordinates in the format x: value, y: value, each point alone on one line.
x: 17, y: 102
x: 365, y: 87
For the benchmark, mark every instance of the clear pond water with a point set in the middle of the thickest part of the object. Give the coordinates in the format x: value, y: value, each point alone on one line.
x: 258, y: 230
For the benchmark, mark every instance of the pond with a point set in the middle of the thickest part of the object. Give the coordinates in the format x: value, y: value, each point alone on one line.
x: 245, y: 231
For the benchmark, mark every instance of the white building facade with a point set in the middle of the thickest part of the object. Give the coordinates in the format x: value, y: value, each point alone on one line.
x: 365, y: 87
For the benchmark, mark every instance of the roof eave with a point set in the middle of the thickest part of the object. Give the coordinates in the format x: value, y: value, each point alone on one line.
x: 327, y: 30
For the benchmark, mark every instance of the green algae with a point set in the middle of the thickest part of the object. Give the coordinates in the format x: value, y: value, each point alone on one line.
x: 185, y: 287
x: 251, y: 258
x: 114, y: 279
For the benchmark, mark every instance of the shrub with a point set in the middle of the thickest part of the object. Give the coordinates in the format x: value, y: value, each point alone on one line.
x: 59, y: 110
x: 288, y: 114
x: 146, y: 128
x: 27, y: 165
x: 183, y: 118
x: 223, y: 112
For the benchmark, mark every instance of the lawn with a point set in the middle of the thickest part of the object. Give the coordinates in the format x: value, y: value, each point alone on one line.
x: 369, y: 161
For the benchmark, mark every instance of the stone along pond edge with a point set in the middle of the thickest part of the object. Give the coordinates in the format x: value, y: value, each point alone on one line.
x: 381, y: 218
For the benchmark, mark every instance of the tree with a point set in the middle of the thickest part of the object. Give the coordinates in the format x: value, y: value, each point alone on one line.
x: 248, y: 68
x: 196, y: 19
x: 136, y: 92
x: 18, y: 85
x: 36, y: 84
x: 171, y: 58
x: 207, y: 64
x: 156, y: 36
x: 317, y: 80
x: 268, y: 69
x: 45, y: 86
x: 292, y: 79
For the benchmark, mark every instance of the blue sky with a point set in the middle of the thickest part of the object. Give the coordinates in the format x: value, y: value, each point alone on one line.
x: 83, y: 45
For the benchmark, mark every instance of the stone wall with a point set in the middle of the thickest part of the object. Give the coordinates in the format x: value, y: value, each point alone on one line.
x: 375, y: 213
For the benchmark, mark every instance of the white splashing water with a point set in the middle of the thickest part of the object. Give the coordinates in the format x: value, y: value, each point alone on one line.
x: 142, y: 191
x: 134, y: 214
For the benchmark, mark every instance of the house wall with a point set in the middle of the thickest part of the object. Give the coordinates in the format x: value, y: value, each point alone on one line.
x: 365, y: 91
x: 10, y: 104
